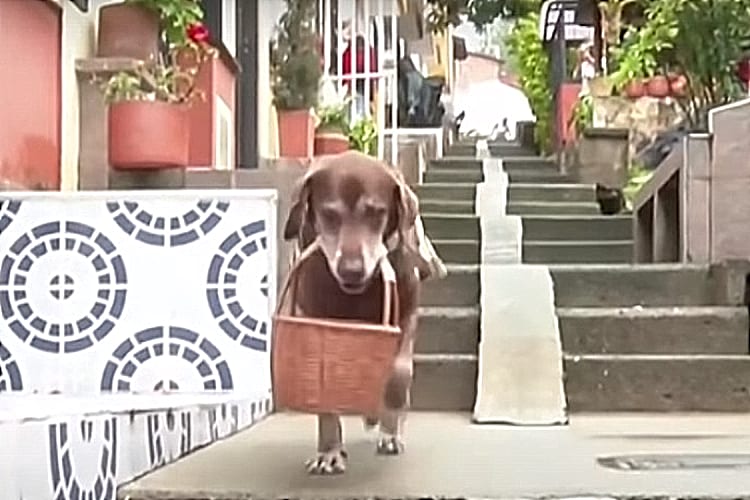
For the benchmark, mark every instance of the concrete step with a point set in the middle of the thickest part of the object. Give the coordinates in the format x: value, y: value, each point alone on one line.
x: 535, y: 228
x: 465, y: 163
x: 453, y: 175
x: 517, y: 163
x: 451, y: 226
x: 446, y: 206
x: 577, y: 227
x: 448, y: 330
x: 578, y: 252
x: 654, y: 330
x: 447, y: 191
x: 457, y: 251
x: 553, y: 208
x: 496, y: 150
x: 551, y: 192
x: 658, y: 383
x: 527, y: 162
x: 460, y: 288
x: 476, y: 176
x: 466, y: 207
x: 466, y: 251
x: 444, y: 382
x: 623, y: 285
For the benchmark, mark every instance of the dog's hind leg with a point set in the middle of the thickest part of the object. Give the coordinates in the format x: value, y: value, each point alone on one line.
x: 370, y: 422
x: 331, y: 457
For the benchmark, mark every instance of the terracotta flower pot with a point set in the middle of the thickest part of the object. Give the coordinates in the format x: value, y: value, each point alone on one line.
x: 330, y: 142
x: 678, y: 85
x: 148, y: 135
x: 658, y: 86
x: 635, y: 89
x: 128, y: 30
x: 296, y: 133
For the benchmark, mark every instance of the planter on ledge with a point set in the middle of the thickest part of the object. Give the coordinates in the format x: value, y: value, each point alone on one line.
x: 678, y: 85
x: 128, y: 31
x: 635, y: 89
x: 148, y: 135
x: 658, y: 86
x: 329, y: 141
x: 296, y: 133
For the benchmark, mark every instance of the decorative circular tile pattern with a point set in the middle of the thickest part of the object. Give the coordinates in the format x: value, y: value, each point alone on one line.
x: 167, y: 230
x: 161, y: 357
x: 8, y: 211
x: 83, y: 460
x: 62, y: 286
x: 237, y: 288
x: 10, y: 375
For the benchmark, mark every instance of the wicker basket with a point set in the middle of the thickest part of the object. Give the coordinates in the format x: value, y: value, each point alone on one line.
x: 332, y: 366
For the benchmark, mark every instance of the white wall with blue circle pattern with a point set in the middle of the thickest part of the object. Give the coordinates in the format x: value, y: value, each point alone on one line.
x: 138, y: 294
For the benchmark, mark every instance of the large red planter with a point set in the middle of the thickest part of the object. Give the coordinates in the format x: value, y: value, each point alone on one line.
x: 296, y: 133
x: 128, y: 30
x: 148, y: 135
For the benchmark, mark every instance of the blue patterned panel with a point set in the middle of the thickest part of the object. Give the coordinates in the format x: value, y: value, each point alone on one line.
x: 62, y: 286
x: 154, y: 343
x: 167, y: 230
x: 245, y: 247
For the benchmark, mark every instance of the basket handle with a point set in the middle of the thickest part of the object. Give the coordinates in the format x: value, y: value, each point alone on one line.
x: 390, y: 293
x: 292, y: 280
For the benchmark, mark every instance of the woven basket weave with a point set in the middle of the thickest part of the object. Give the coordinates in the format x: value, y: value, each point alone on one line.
x: 332, y: 366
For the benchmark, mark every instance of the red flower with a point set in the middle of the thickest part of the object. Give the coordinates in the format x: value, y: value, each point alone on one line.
x: 197, y: 33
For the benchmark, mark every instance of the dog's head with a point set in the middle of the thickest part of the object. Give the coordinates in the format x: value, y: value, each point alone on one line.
x: 352, y: 203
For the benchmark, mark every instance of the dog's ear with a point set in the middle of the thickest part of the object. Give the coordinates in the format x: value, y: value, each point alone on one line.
x: 299, y: 212
x: 406, y: 207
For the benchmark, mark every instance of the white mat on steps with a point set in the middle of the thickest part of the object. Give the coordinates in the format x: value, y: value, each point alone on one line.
x: 520, y: 377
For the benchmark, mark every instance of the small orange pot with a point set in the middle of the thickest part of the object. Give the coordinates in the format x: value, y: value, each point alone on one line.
x: 678, y: 85
x: 296, y: 133
x: 330, y: 143
x: 148, y: 135
x: 635, y: 89
x: 658, y: 86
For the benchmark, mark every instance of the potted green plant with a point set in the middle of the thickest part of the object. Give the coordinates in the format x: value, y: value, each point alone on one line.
x: 134, y: 28
x: 148, y: 122
x: 332, y: 132
x: 635, y: 64
x: 363, y: 136
x: 295, y: 76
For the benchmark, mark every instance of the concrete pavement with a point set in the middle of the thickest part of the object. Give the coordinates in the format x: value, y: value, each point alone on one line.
x: 449, y: 457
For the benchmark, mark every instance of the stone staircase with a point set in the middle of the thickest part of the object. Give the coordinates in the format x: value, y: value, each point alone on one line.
x: 636, y: 337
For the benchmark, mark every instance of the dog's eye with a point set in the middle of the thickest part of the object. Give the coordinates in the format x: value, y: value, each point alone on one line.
x: 330, y: 217
x: 375, y: 212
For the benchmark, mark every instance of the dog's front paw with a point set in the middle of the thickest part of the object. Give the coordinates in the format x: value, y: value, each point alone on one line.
x: 327, y: 463
x: 390, y: 445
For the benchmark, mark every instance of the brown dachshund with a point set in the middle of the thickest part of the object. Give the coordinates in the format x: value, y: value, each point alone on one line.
x: 358, y: 210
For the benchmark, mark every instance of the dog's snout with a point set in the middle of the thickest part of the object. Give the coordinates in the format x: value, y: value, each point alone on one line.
x: 351, y: 269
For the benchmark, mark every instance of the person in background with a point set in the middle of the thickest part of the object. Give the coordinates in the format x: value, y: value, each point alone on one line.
x: 357, y: 93
x: 586, y: 67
